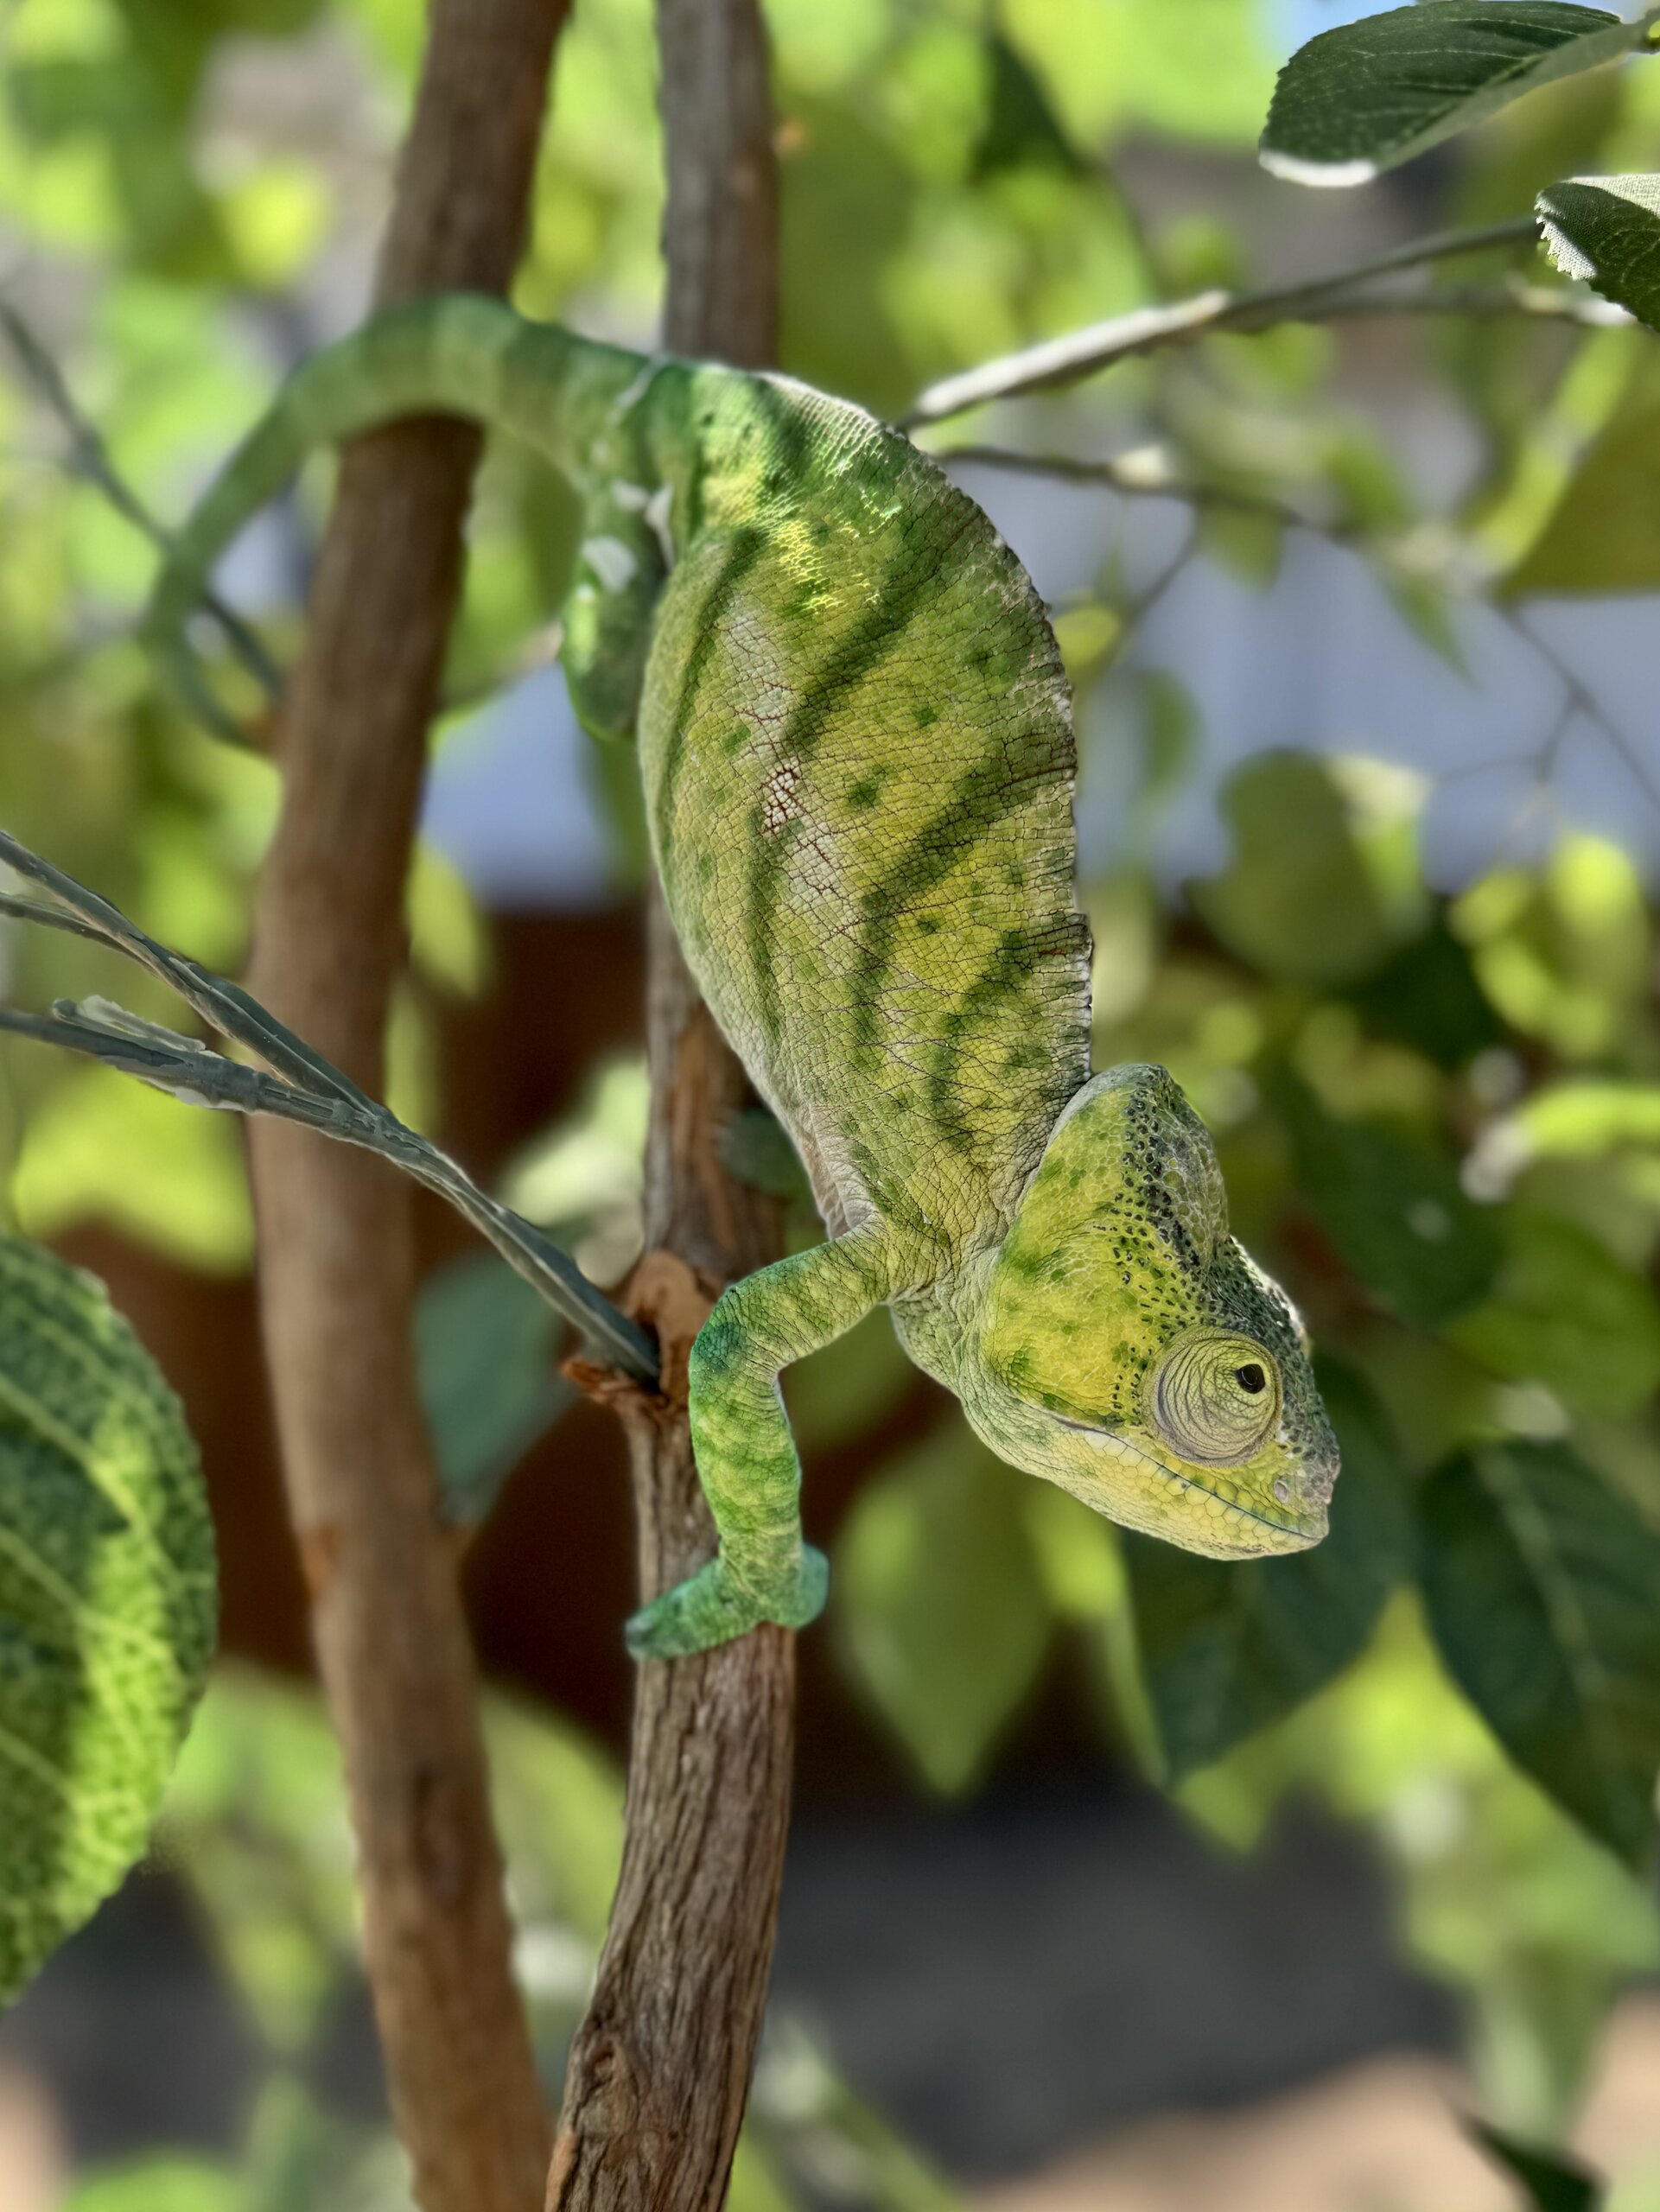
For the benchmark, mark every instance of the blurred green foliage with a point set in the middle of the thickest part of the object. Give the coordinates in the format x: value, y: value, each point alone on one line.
x: 1439, y: 1111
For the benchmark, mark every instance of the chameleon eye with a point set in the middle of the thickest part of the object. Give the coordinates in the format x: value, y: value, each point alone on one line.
x: 1216, y: 1397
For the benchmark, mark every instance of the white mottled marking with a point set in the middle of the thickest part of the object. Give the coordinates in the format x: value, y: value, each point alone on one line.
x: 611, y: 561
x: 658, y: 509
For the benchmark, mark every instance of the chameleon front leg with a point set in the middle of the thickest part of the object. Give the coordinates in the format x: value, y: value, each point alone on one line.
x: 745, y: 1455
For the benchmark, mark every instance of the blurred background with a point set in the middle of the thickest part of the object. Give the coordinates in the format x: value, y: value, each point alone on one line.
x: 1371, y: 865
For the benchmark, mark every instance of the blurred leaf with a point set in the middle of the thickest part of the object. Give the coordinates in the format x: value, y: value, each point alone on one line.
x: 558, y: 1805
x: 1563, y: 951
x: 1247, y: 546
x: 1427, y: 610
x: 1020, y: 129
x: 1321, y: 887
x: 941, y: 1602
x: 486, y: 1342
x: 105, y: 1148
x: 844, y: 1391
x: 256, y: 1819
x: 164, y: 2181
x: 1540, y: 1583
x: 1605, y: 231
x: 1563, y: 1312
x: 1603, y: 534
x: 1427, y: 995
x: 108, y: 1604
x: 758, y: 1151
x: 1373, y: 93
x: 1392, y: 1206
x: 1227, y: 1647
x: 1550, y: 2181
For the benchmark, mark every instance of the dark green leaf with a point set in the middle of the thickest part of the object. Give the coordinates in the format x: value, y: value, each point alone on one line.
x: 107, y: 1600
x: 1020, y: 129
x: 1391, y: 1204
x: 1540, y: 1583
x: 1226, y: 1648
x: 486, y: 1342
x: 1604, y: 533
x: 1606, y: 230
x: 939, y: 1596
x: 1368, y: 95
x: 1551, y: 2181
x: 759, y: 1152
x: 1563, y: 1312
x: 1427, y: 995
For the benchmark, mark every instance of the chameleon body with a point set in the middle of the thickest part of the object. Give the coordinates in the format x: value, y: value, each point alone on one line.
x: 856, y: 740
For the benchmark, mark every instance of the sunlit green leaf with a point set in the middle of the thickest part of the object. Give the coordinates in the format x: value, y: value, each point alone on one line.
x: 1550, y: 2180
x: 487, y: 1344
x: 941, y: 1602
x: 1606, y: 230
x: 1369, y: 94
x: 1392, y: 1205
x: 166, y: 2182
x: 1563, y: 1312
x: 1227, y: 1647
x: 1603, y: 534
x: 108, y: 1599
x: 1540, y: 1583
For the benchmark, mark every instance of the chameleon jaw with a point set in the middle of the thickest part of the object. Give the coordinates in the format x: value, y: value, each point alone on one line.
x: 1305, y: 1529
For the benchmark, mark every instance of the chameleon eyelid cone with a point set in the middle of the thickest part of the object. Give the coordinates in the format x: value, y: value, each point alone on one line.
x: 856, y: 748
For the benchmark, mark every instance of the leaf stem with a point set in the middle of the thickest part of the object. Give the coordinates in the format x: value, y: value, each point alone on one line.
x: 1145, y: 330
x: 305, y: 1088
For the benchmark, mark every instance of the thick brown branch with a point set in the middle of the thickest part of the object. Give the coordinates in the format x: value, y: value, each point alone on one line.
x: 336, y: 1257
x: 660, y: 2068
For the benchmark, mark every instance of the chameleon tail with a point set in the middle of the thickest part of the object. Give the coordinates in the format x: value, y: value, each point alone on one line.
x: 465, y: 355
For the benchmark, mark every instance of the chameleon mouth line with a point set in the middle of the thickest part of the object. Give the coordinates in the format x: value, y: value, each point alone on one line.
x: 1286, y: 1527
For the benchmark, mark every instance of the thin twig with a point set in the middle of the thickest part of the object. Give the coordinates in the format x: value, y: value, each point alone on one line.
x: 307, y: 1088
x: 88, y: 456
x: 1083, y: 352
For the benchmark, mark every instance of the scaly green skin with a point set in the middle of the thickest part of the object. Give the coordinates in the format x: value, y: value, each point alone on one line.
x: 856, y: 740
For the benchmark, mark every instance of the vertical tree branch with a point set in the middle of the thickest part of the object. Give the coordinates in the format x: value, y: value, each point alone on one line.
x: 337, y: 1274
x: 660, y: 2070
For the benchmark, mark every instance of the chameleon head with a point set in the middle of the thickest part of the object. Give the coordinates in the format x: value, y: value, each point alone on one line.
x: 1131, y: 1351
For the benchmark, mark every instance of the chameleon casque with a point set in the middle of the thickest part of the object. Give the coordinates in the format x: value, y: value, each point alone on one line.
x: 855, y: 738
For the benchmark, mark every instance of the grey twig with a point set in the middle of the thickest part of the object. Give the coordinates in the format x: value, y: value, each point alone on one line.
x: 304, y: 1088
x: 1146, y: 330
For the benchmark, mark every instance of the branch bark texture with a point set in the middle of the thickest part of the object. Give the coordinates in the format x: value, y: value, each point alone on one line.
x: 337, y: 1276
x: 660, y: 2068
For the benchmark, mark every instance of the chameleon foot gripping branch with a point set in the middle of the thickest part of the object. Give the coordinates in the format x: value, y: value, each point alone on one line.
x: 855, y: 743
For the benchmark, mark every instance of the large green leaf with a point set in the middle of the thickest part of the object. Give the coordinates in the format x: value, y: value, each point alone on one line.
x: 1550, y: 2180
x: 1606, y: 230
x: 107, y: 1600
x: 1391, y: 1204
x: 1603, y: 534
x: 939, y: 1594
x: 1366, y: 96
x: 1226, y: 1648
x: 1541, y: 1585
x: 1563, y: 1312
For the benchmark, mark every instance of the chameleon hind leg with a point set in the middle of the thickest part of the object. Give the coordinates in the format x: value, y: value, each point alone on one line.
x: 745, y: 1455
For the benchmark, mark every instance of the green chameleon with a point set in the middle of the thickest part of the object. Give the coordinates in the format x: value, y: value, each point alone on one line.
x: 856, y: 737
